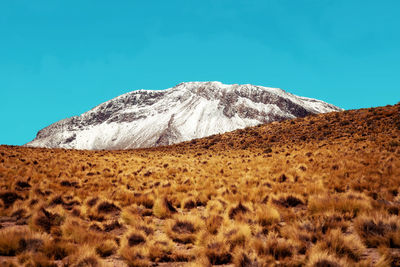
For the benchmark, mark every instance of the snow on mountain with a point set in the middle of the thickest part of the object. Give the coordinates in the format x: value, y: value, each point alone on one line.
x: 147, y: 118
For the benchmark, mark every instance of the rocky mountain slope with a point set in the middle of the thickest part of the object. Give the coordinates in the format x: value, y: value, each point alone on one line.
x: 148, y: 118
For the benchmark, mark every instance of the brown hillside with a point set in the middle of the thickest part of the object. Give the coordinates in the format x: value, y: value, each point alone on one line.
x: 318, y: 191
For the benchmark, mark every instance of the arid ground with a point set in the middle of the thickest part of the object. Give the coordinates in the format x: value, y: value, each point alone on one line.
x: 323, y: 190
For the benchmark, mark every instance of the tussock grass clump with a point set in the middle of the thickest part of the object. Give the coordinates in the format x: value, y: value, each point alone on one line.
x: 161, y: 249
x: 91, y: 202
x: 57, y: 200
x: 388, y: 257
x: 95, y: 227
x: 22, y: 185
x: 288, y: 201
x: 134, y: 248
x: 68, y: 183
x: 202, y: 199
x: 135, y: 257
x: 331, y: 220
x: 267, y: 215
x: 130, y: 216
x: 189, y: 203
x: 163, y: 208
x: 379, y: 230
x: 183, y: 229
x: 35, y: 259
x: 239, y: 235
x: 323, y: 259
x: 238, y: 210
x: 106, y: 248
x: 107, y: 207
x: 108, y: 227
x: 75, y: 231
x: 353, y: 203
x: 8, y: 198
x: 275, y: 246
x: 217, y: 253
x: 16, y: 241
x: 335, y: 242
x: 243, y: 259
x: 215, y: 207
x: 147, y: 230
x: 135, y: 239
x: 58, y: 250
x: 145, y: 200
x: 19, y: 213
x: 85, y: 257
x: 213, y: 223
x: 11, y: 242
x: 46, y: 220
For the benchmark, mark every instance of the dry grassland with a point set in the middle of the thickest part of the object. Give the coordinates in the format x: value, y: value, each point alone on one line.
x: 316, y: 191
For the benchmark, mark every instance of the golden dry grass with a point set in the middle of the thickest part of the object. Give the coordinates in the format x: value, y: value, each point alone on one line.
x: 316, y: 191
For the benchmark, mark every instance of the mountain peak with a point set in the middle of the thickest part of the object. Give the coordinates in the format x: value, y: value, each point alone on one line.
x: 189, y: 110
x: 201, y: 83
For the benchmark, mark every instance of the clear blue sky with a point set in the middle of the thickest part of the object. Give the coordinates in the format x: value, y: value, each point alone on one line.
x: 62, y: 58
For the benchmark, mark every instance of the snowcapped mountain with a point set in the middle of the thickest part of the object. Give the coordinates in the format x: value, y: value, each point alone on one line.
x: 147, y: 118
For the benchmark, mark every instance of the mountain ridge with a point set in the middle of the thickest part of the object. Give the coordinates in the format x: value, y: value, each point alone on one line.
x: 190, y: 110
